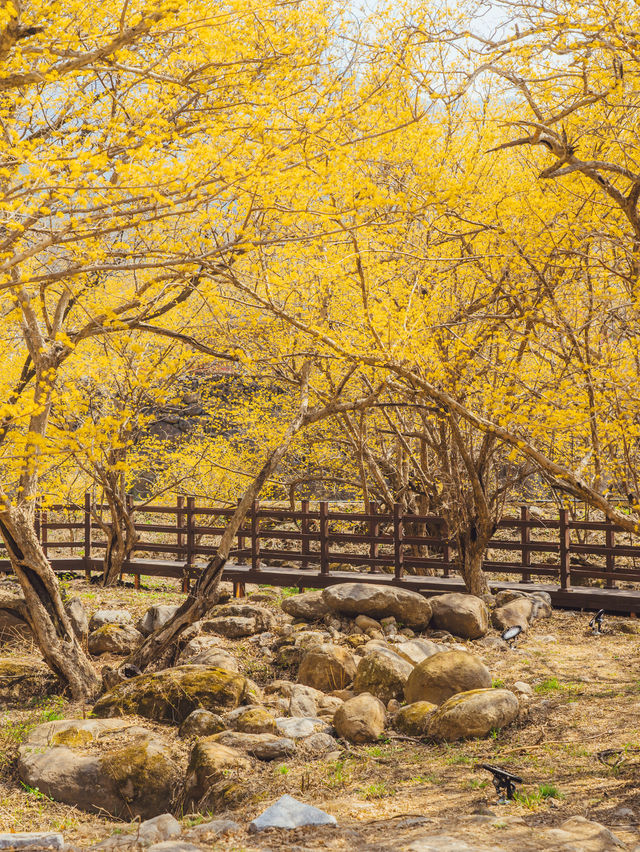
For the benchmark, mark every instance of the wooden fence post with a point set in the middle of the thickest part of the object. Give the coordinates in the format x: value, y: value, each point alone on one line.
x: 305, y: 533
x: 180, y: 541
x: 447, y: 550
x: 255, y: 536
x: 44, y: 532
x: 398, y: 535
x: 610, y: 541
x: 88, y: 531
x: 324, y: 537
x: 525, y: 539
x: 191, y: 536
x: 565, y: 546
x: 374, y: 530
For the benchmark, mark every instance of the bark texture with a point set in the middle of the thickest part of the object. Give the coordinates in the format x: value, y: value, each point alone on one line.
x: 44, y: 610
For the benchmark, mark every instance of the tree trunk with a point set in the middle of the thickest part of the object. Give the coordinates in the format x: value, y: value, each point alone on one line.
x: 45, y: 611
x: 121, y: 539
x: 472, y: 552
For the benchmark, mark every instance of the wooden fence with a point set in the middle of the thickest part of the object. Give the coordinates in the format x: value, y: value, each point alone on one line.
x: 313, y: 547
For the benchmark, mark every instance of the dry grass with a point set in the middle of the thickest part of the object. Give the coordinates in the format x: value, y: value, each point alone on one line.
x: 587, y: 699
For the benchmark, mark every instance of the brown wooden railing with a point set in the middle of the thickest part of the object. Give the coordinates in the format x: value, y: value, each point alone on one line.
x: 397, y: 546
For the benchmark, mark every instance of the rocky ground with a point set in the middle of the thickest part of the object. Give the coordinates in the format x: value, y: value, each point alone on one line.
x: 376, y: 708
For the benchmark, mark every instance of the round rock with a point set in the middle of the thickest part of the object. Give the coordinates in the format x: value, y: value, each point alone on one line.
x: 379, y: 601
x: 443, y: 675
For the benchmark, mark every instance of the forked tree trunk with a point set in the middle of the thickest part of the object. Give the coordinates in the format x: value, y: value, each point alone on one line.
x: 121, y: 539
x: 44, y: 608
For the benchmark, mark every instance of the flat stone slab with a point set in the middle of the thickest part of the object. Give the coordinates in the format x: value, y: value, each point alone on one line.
x: 31, y: 840
x: 288, y: 812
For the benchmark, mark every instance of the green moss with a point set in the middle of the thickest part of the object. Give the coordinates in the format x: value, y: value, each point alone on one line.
x: 72, y: 738
x: 170, y: 695
x: 138, y: 769
x: 257, y: 720
x: 414, y: 718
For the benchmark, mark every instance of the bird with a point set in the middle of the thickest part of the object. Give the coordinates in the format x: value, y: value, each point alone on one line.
x: 503, y: 780
x: 511, y: 634
x: 596, y: 622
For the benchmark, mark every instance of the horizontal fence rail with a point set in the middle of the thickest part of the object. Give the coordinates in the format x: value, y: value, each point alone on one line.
x: 318, y: 545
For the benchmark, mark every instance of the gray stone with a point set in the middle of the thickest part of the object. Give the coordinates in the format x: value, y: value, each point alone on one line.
x: 516, y: 613
x: 309, y: 606
x: 378, y: 601
x: 78, y: 618
x: 473, y: 714
x: 31, y: 840
x: 417, y: 650
x: 109, y: 616
x: 238, y: 620
x: 383, y: 675
x: 443, y: 675
x: 162, y: 827
x: 319, y: 743
x: 155, y: 617
x: 117, y: 639
x: 288, y: 812
x: 327, y: 667
x: 201, y: 723
x: 262, y: 746
x: 215, y: 828
x: 360, y: 719
x: 132, y: 773
x: 297, y: 728
x: 462, y: 615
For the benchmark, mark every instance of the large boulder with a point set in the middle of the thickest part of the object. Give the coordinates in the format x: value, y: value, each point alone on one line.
x: 360, y: 719
x: 215, y: 775
x: 379, y: 601
x: 517, y: 612
x: 327, y: 667
x: 443, y: 675
x: 238, y: 620
x: 156, y: 617
x: 473, y: 714
x: 119, y: 639
x: 309, y: 606
x: 463, y: 615
x: 171, y: 695
x: 383, y: 675
x: 20, y: 681
x: 107, y: 766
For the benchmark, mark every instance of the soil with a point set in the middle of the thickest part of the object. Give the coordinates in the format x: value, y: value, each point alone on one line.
x: 586, y: 700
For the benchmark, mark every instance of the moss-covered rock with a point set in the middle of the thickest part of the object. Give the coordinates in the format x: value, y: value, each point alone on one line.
x: 383, y: 675
x: 144, y: 776
x: 473, y: 714
x: 171, y: 695
x: 114, y: 639
x: 215, y: 776
x: 414, y: 719
x: 112, y: 766
x: 256, y: 720
x: 327, y: 667
x: 443, y: 675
